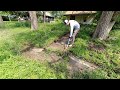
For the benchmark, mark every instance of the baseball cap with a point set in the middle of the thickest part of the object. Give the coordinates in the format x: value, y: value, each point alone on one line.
x: 65, y: 21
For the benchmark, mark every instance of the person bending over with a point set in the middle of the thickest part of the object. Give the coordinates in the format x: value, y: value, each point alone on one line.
x: 74, y: 29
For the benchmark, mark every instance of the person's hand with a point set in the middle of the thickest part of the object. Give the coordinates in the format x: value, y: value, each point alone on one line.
x: 70, y: 38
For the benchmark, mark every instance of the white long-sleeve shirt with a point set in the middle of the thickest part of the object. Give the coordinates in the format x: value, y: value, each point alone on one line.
x: 73, y: 24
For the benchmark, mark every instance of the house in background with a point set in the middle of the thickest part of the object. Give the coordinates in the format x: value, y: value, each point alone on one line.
x: 83, y: 17
x: 48, y: 17
x: 9, y: 17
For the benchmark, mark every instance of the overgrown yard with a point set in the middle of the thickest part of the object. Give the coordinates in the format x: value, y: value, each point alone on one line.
x: 105, y: 54
x: 15, y: 36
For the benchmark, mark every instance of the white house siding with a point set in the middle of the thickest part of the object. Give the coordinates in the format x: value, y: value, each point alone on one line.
x: 89, y: 20
x: 80, y: 18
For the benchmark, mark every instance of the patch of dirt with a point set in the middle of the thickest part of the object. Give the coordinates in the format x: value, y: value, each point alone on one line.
x: 63, y: 39
x: 59, y: 45
x: 96, y: 47
x: 40, y: 54
x: 37, y: 50
x: 27, y: 47
x: 56, y: 47
x: 76, y: 64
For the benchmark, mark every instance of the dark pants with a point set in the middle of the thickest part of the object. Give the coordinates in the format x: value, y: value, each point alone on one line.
x: 74, y: 35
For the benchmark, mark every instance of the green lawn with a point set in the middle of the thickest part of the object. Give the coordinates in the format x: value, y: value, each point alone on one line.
x: 14, y: 36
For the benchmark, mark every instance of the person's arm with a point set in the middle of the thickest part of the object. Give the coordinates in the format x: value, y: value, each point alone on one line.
x: 71, y: 30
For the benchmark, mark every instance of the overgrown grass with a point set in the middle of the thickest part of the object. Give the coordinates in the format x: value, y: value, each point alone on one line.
x: 45, y: 35
x: 17, y: 67
x: 105, y: 54
x: 13, y: 37
x: 97, y: 74
x: 16, y: 24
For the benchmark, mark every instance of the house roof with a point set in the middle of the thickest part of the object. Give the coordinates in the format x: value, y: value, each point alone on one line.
x: 79, y: 12
x: 48, y: 14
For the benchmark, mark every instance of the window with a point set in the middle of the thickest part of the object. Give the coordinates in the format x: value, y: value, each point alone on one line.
x: 85, y: 20
x: 72, y: 17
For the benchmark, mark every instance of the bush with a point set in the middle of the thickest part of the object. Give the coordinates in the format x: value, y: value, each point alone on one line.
x: 22, y: 24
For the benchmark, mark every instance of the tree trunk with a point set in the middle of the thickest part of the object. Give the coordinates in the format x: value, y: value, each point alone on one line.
x: 34, y: 21
x: 1, y: 20
x: 104, y: 25
x: 44, y: 16
x: 113, y: 20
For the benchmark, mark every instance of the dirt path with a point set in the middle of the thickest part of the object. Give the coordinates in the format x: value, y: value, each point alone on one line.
x: 76, y: 64
x: 42, y: 55
x: 59, y: 44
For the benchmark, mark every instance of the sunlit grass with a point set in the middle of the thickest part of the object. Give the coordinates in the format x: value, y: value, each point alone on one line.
x: 13, y: 37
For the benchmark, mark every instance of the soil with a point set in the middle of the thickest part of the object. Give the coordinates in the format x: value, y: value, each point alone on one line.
x: 96, y: 47
x: 42, y: 55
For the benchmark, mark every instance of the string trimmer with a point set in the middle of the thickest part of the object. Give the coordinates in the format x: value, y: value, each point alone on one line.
x: 68, y: 43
